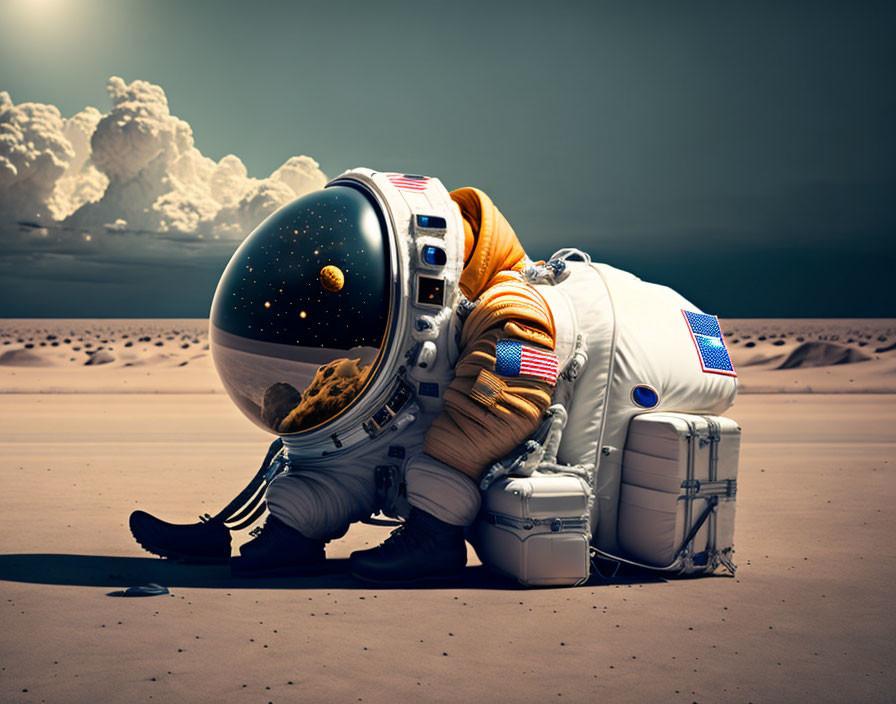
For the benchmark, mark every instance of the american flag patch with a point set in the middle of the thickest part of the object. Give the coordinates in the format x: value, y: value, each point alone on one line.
x: 487, y: 388
x: 707, y: 337
x: 408, y: 182
x: 513, y: 358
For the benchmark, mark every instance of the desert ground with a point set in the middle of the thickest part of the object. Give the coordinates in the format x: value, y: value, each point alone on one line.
x: 101, y: 417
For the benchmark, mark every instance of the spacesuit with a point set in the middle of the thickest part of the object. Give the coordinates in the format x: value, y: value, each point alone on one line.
x: 382, y: 328
x: 407, y: 353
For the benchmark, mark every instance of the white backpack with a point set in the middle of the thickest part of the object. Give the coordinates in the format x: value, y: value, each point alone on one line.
x: 626, y: 348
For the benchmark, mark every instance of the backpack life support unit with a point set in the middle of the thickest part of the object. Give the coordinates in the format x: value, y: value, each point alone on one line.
x: 634, y: 462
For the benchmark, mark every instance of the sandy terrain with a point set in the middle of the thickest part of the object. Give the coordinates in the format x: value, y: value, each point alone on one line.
x: 119, y: 356
x: 806, y: 356
x: 161, y: 356
x: 809, y: 616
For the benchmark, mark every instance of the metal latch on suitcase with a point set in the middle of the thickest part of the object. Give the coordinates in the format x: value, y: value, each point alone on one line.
x: 722, y: 488
x: 557, y: 525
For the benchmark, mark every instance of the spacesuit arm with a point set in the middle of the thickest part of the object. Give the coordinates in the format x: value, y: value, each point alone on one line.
x: 488, y: 414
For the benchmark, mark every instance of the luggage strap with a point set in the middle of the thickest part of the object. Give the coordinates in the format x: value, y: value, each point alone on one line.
x: 557, y: 525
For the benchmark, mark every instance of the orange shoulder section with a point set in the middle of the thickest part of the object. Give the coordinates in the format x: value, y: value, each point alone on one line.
x: 491, y: 245
x: 516, y: 307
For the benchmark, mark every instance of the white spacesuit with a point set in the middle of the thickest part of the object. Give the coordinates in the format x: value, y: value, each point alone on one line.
x: 399, y: 354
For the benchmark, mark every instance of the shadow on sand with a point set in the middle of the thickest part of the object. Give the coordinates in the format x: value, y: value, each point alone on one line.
x: 124, y: 572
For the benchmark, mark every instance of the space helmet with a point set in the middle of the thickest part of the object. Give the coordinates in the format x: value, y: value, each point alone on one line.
x: 326, y: 303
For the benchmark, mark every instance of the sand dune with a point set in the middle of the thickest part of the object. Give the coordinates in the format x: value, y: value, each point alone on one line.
x: 24, y: 358
x: 822, y: 354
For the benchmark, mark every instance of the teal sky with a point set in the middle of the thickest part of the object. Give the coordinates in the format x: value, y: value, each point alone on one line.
x: 743, y: 153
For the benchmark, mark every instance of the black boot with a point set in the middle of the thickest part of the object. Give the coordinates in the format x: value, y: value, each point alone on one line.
x: 423, y: 549
x: 194, y: 542
x: 279, y: 551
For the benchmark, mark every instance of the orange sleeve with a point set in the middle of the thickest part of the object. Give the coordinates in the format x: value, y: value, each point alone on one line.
x: 486, y: 414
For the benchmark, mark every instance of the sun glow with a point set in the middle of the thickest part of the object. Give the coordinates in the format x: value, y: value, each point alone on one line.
x: 47, y: 18
x: 38, y: 9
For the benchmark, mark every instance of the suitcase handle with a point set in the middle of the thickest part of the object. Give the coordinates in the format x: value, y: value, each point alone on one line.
x: 721, y: 488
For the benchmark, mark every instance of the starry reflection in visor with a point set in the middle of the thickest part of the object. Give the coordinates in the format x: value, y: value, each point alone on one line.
x: 302, y: 312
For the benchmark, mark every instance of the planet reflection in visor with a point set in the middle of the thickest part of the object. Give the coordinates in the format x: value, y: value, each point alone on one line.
x: 301, y: 315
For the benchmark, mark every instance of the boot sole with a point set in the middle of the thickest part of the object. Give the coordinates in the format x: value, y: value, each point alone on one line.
x: 182, y: 557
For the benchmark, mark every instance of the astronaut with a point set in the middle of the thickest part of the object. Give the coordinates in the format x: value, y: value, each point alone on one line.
x: 382, y: 329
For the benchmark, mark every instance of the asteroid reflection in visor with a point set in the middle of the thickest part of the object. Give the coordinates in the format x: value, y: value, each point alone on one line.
x: 302, y: 312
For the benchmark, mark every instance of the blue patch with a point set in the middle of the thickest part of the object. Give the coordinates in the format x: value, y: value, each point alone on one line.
x: 707, y: 337
x: 714, y: 354
x: 703, y: 324
x: 508, y: 357
x: 428, y: 388
x: 644, y: 396
x: 396, y: 451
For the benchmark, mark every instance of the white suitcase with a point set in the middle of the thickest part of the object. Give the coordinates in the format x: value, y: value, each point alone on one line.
x: 536, y: 529
x: 679, y: 484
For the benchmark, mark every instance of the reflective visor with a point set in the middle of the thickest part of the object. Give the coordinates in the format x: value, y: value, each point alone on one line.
x: 302, y: 313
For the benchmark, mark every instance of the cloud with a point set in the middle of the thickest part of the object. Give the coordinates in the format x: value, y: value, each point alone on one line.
x: 134, y: 169
x: 34, y: 155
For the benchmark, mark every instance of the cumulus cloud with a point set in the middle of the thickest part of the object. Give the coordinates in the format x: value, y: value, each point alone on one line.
x: 34, y: 155
x: 135, y: 168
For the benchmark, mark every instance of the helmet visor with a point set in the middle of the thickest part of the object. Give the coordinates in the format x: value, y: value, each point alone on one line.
x: 302, y: 313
